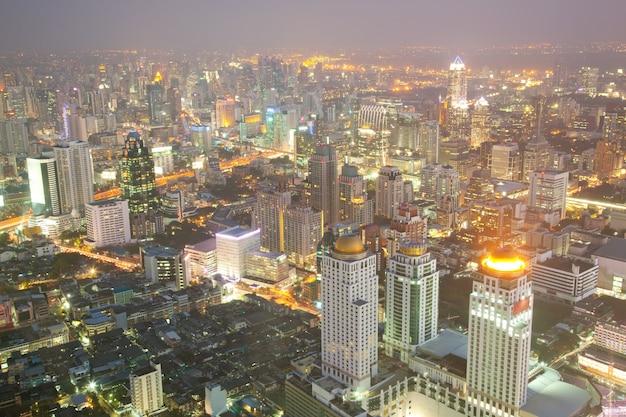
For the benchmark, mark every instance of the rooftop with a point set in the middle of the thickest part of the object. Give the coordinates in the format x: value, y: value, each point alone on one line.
x: 615, y: 249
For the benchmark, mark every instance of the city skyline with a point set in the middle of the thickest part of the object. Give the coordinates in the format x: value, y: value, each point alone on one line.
x: 194, y: 25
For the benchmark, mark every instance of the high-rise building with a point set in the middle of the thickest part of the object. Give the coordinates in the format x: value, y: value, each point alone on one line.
x: 505, y: 161
x: 146, y: 389
x: 455, y: 153
x: 608, y: 158
x: 225, y: 112
x: 481, y: 123
x: 457, y: 83
x: 548, y: 192
x: 303, y: 231
x: 354, y: 206
x: 202, y: 258
x: 163, y: 264
x: 43, y: 181
x: 536, y: 156
x: 154, y: 93
x: 441, y: 184
x: 501, y: 305
x: 232, y: 246
x: 108, y: 223
x: 412, y: 299
x: 138, y: 186
x: 324, y: 190
x: 428, y: 138
x: 268, y: 215
x: 350, y: 305
x: 391, y: 189
x: 14, y: 137
x: 75, y: 176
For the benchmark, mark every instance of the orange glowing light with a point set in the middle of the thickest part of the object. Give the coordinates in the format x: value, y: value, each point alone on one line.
x: 504, y: 264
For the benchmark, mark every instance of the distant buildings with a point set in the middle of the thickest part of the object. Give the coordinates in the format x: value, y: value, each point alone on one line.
x: 547, y: 196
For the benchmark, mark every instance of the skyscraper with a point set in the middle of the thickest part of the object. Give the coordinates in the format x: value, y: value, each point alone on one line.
x: 505, y: 161
x: 43, y: 181
x: 412, y: 299
x: 303, y: 231
x: 354, y: 206
x: 225, y: 112
x: 268, y: 215
x: 391, y: 189
x: 536, y: 156
x: 324, y: 190
x: 155, y: 103
x: 481, y: 123
x: 350, y: 304
x: 138, y: 186
x: 75, y: 176
x: 458, y: 122
x: 501, y: 305
x: 548, y: 192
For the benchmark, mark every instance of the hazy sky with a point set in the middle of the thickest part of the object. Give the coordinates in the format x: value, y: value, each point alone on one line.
x: 192, y: 25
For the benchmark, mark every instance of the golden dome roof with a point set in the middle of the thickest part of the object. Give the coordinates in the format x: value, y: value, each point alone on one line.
x: 348, y: 244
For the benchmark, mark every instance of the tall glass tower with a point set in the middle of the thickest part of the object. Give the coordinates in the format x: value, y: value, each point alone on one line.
x: 138, y: 186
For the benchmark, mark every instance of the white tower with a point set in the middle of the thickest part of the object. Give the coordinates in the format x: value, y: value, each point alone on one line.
x: 146, y: 389
x: 548, y: 191
x: 75, y: 175
x: 412, y: 300
x: 350, y: 304
x: 501, y: 306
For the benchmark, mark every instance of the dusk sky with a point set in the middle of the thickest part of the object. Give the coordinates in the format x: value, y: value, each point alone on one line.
x: 194, y: 25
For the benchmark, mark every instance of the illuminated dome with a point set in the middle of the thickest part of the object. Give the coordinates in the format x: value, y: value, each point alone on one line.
x: 349, y: 244
x: 504, y: 261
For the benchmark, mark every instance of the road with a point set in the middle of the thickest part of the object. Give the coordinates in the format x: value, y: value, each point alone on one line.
x: 160, y: 182
x: 11, y: 224
x: 120, y: 263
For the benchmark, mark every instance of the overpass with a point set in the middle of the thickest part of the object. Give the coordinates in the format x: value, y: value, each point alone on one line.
x: 573, y: 202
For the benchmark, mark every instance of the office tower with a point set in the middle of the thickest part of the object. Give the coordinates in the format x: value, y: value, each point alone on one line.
x: 173, y: 204
x: 505, y: 161
x: 479, y: 187
x: 202, y: 258
x: 536, y: 156
x: 165, y: 265
x: 108, y: 223
x: 481, y: 123
x: 489, y: 220
x: 163, y: 160
x: 412, y: 299
x: 268, y: 216
x: 588, y: 80
x: 138, y: 186
x: 500, y: 322
x: 75, y: 176
x: 457, y: 123
x: 225, y: 112
x: 391, y: 189
x: 232, y: 246
x: 548, y: 192
x: 324, y: 190
x: 457, y: 83
x: 455, y: 153
x: 303, y: 231
x: 429, y: 141
x: 276, y: 131
x: 146, y: 389
x: 154, y: 93
x: 354, y: 206
x: 441, y: 184
x: 43, y: 181
x: 305, y: 138
x: 374, y: 117
x: 608, y: 158
x: 201, y: 137
x: 14, y: 137
x: 350, y: 323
